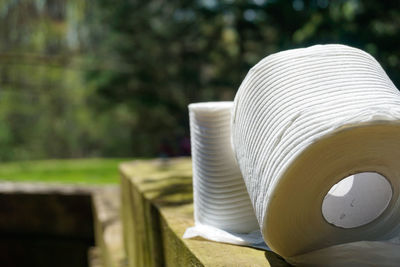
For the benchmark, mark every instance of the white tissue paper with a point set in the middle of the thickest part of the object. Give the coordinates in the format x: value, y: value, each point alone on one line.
x: 303, y: 120
x: 222, y: 207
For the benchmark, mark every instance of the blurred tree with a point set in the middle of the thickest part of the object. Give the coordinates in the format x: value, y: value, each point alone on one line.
x: 167, y: 54
x: 145, y: 61
x: 45, y: 109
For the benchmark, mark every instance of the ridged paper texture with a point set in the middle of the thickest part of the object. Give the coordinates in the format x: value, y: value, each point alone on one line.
x: 220, y: 196
x: 331, y: 99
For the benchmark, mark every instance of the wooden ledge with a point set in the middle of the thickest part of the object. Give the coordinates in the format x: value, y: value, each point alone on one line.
x: 156, y: 210
x: 107, y: 226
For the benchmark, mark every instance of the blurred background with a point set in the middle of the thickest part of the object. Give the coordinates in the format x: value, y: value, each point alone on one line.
x: 107, y: 78
x: 87, y: 84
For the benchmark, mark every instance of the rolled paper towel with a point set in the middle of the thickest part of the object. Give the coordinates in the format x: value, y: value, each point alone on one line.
x: 305, y: 119
x: 219, y: 193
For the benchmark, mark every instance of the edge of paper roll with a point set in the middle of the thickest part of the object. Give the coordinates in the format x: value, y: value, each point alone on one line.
x: 252, y: 239
x: 362, y: 253
x: 210, y: 107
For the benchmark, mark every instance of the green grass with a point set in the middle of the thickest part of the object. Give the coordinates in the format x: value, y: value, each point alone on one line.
x: 71, y: 171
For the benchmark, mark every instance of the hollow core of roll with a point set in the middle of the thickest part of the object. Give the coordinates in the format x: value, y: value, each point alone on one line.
x: 357, y: 200
x: 294, y: 222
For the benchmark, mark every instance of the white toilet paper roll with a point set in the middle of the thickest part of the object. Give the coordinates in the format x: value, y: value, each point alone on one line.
x: 219, y: 194
x: 305, y: 119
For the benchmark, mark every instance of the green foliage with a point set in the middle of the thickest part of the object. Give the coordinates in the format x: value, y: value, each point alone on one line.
x: 46, y: 107
x: 114, y: 78
x: 167, y: 54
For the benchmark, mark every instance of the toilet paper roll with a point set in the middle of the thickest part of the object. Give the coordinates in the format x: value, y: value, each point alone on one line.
x: 222, y: 207
x: 220, y: 196
x: 305, y: 119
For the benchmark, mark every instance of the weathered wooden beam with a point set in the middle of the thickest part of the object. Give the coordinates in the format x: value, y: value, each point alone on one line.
x: 157, y: 208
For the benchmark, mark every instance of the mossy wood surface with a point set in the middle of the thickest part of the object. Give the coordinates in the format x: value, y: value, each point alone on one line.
x: 157, y: 207
x: 107, y: 226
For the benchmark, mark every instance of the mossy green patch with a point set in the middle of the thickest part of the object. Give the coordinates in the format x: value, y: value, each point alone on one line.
x: 71, y: 171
